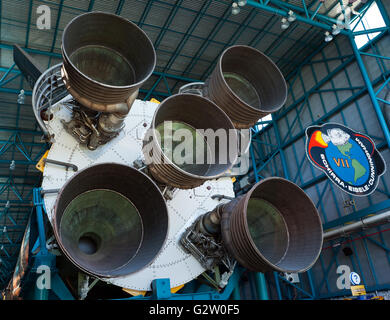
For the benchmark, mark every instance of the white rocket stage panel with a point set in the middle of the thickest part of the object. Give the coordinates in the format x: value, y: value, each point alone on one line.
x: 172, y: 262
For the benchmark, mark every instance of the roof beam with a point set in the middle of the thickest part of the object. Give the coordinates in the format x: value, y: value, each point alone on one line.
x: 120, y: 7
x: 304, y: 19
x: 308, y: 14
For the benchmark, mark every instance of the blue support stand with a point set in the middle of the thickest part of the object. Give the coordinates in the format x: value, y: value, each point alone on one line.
x: 161, y: 288
x: 44, y: 261
x: 162, y: 291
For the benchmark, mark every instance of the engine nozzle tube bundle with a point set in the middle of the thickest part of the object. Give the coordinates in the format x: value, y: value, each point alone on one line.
x: 110, y: 220
x: 106, y: 59
x: 247, y: 85
x: 209, y: 146
x: 275, y: 226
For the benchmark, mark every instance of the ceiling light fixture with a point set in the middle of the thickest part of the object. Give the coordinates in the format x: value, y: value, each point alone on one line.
x: 241, y: 3
x: 235, y: 8
x: 291, y: 16
x: 12, y: 165
x: 21, y: 97
x: 285, y: 24
x: 336, y: 30
x: 328, y: 36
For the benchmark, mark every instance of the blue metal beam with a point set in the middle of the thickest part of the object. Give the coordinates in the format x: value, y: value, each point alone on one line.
x: 284, y: 13
x: 234, y: 37
x: 167, y: 23
x: 370, y: 89
x: 120, y: 7
x: 54, y: 55
x: 90, y: 6
x: 331, y: 112
x: 28, y: 23
x: 188, y: 32
x: 145, y: 13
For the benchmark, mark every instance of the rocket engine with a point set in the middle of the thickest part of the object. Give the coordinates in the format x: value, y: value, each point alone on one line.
x: 106, y: 59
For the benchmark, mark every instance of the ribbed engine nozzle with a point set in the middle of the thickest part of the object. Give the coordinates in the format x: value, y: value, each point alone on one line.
x: 110, y: 220
x: 191, y: 140
x: 106, y: 59
x: 247, y: 85
x: 275, y: 226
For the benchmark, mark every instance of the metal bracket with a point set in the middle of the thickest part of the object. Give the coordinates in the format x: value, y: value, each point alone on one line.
x: 219, y: 197
x: 83, y: 285
x: 209, y: 252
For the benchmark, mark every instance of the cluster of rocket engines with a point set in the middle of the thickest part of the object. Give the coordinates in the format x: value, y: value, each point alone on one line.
x: 111, y: 219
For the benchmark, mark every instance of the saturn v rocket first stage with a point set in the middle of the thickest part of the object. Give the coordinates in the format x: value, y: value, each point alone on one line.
x: 126, y: 217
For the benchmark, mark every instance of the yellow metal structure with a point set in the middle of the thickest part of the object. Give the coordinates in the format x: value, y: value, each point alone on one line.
x: 135, y: 293
x: 358, y: 290
x: 41, y: 164
x: 154, y: 100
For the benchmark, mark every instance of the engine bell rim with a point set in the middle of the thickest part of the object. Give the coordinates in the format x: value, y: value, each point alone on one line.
x: 168, y: 162
x: 249, y: 48
x: 56, y: 227
x: 145, y: 36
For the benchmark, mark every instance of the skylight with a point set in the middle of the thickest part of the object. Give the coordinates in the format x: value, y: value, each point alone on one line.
x: 263, y: 125
x: 372, y: 19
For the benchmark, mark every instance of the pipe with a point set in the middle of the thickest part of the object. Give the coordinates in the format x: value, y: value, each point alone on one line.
x: 366, y: 222
x: 261, y: 286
